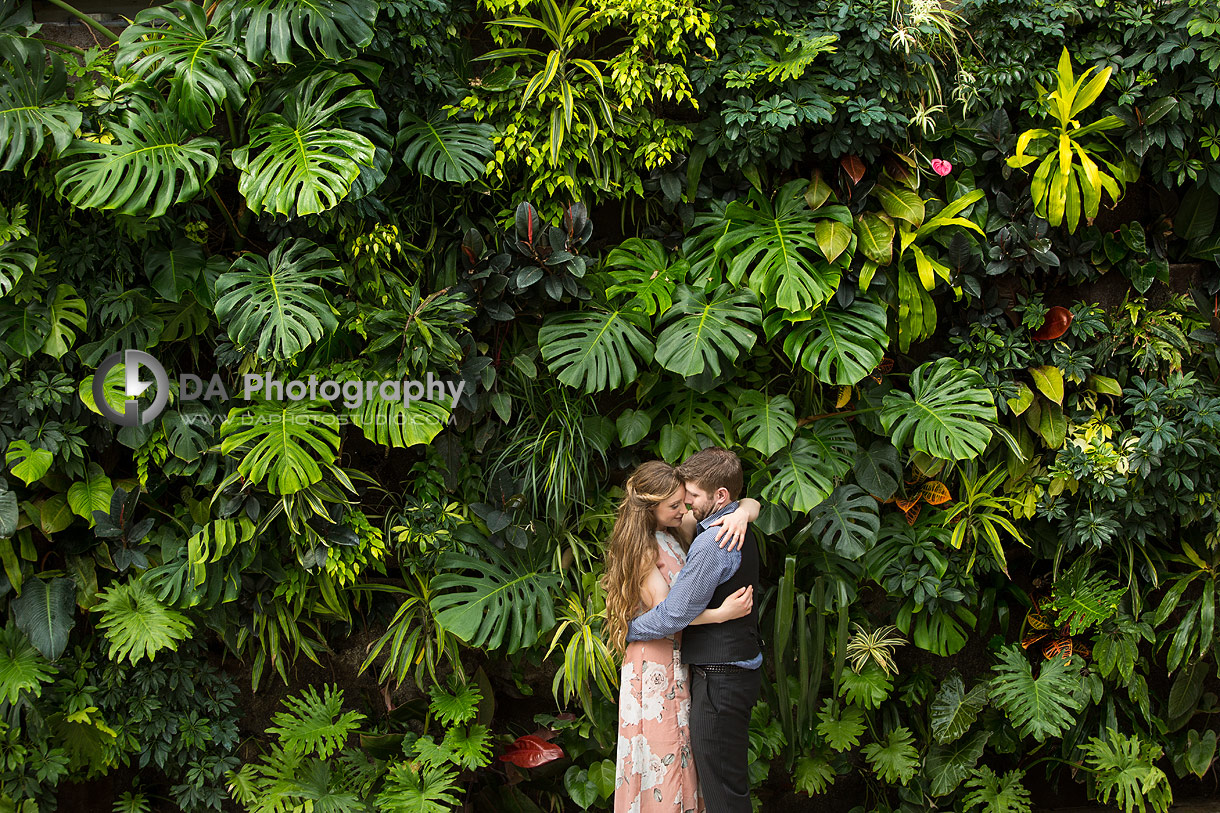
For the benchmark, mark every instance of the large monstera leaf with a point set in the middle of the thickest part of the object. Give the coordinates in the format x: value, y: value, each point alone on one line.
x: 846, y: 522
x: 701, y: 331
x: 334, y: 29
x: 949, y: 412
x: 804, y: 474
x: 400, y: 424
x: 456, y: 152
x: 153, y: 162
x: 793, y: 255
x: 32, y: 102
x: 274, y: 303
x: 203, y: 65
x: 595, y: 349
x: 303, y: 161
x: 491, y: 601
x: 838, y: 345
x: 284, y: 443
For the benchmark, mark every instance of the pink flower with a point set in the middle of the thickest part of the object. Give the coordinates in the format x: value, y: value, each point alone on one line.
x: 941, y: 168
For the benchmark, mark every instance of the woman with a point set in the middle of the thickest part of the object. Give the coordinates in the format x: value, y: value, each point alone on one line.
x: 656, y: 772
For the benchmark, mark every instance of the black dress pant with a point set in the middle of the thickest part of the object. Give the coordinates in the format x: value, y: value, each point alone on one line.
x: 720, y: 735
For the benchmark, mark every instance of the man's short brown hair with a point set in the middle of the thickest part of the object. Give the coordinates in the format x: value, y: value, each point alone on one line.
x: 713, y: 468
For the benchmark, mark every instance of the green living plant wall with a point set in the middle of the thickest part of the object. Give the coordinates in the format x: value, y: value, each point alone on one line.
x: 945, y: 276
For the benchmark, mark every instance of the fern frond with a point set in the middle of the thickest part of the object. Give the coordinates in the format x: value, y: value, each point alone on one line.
x: 137, y: 624
x: 313, y: 725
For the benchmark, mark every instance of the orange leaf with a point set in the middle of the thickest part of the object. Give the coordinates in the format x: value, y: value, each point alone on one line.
x: 913, y: 514
x: 843, y: 397
x: 1033, y: 638
x: 1062, y: 646
x: 906, y: 505
x: 935, y: 492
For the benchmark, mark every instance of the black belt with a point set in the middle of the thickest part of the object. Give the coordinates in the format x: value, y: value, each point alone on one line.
x: 719, y: 668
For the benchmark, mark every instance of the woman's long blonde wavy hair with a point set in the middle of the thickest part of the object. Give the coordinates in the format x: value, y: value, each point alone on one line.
x: 633, y: 545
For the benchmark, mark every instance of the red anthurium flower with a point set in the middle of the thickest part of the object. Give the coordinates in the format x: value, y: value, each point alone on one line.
x: 531, y: 751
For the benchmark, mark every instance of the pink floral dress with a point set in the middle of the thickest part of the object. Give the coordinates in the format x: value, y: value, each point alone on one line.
x: 656, y: 770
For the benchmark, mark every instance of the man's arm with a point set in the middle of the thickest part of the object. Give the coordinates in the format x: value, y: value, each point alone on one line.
x: 707, y: 567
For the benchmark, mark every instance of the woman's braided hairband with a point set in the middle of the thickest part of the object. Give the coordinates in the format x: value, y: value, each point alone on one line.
x: 632, y: 494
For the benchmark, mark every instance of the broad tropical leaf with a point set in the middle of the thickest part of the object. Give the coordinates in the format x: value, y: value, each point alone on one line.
x: 947, y: 765
x: 896, y: 759
x: 702, y: 332
x: 18, y: 248
x: 595, y: 349
x: 27, y: 463
x: 45, y: 613
x: 1126, y: 771
x: 457, y: 152
x: 285, y: 444
x: 33, y: 106
x: 841, y: 731
x: 839, y: 346
x: 91, y: 494
x: 65, y: 311
x: 137, y: 624
x: 303, y: 161
x: 175, y: 270
x: 419, y: 788
x: 846, y: 522
x: 492, y: 603
x: 390, y: 422
x: 1039, y: 707
x: 777, y: 245
x: 878, y: 469
x: 805, y: 473
x: 273, y: 305
x: 644, y: 270
x: 954, y: 709
x: 204, y: 66
x: 997, y: 794
x: 767, y: 425
x: 334, y: 29
x: 154, y: 161
x: 949, y: 412
x: 22, y: 668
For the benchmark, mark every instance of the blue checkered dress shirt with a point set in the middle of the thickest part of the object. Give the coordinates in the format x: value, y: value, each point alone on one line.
x: 707, y: 567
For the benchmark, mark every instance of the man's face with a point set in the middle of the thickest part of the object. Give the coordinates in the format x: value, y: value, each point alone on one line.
x: 701, y: 503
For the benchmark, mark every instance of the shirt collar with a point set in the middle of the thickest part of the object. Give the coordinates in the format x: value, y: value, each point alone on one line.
x: 701, y: 526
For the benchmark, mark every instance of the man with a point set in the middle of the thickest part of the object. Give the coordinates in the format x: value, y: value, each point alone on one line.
x: 724, y: 658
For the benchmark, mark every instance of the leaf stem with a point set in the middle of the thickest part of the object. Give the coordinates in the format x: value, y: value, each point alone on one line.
x: 86, y: 19
x: 824, y: 415
x: 225, y: 210
x: 65, y: 46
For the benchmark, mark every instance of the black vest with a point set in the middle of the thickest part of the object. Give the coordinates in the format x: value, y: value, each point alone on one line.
x: 730, y: 641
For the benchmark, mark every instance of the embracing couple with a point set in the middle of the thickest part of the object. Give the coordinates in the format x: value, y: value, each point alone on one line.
x: 680, y: 590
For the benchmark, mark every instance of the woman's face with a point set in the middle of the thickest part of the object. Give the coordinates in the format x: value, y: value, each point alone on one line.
x: 669, y: 511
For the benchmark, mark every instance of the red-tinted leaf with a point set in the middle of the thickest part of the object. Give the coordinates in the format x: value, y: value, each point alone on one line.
x: 1058, y: 320
x: 530, y: 752
x: 853, y: 166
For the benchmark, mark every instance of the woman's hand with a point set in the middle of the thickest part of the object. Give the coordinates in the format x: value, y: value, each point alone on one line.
x: 738, y: 604
x: 733, y: 526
